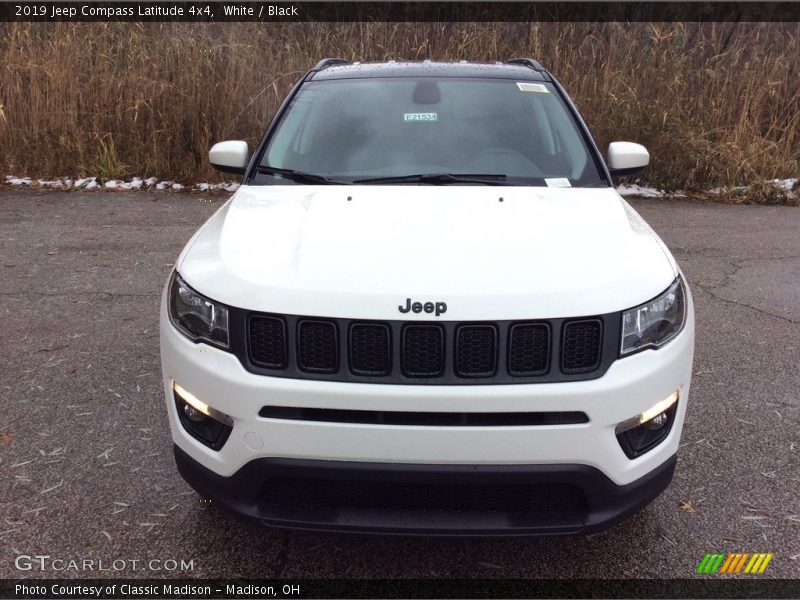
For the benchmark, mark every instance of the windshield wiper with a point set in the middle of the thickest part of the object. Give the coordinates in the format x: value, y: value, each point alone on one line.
x: 299, y: 176
x: 440, y: 178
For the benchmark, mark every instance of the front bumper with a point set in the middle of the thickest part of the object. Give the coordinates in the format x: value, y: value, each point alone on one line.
x: 411, y: 499
x: 586, y: 456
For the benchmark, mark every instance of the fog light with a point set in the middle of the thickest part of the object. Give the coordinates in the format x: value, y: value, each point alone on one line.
x: 206, y: 424
x: 644, y: 432
x: 657, y: 422
x: 192, y: 413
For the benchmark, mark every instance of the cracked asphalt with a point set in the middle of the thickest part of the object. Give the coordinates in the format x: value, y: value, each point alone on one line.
x: 85, y: 451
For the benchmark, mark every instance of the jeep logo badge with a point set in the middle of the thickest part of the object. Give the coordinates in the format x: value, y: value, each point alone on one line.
x: 439, y: 308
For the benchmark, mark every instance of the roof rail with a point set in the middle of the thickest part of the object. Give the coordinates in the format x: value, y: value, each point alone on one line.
x: 329, y: 62
x: 528, y: 62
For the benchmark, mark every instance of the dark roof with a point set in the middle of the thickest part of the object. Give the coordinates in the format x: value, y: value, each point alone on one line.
x: 430, y: 69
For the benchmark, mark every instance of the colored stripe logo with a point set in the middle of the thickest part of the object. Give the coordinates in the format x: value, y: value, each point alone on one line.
x: 739, y: 562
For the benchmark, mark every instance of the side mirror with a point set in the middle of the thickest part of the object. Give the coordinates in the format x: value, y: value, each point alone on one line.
x: 626, y: 158
x: 229, y: 157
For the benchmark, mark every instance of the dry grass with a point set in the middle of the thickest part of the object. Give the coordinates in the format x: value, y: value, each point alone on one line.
x: 716, y: 104
x: 760, y: 192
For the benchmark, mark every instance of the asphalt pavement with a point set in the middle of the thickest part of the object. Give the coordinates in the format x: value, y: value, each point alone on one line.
x: 85, y: 451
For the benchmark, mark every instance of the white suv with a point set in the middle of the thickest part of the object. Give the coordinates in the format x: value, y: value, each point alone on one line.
x: 427, y: 310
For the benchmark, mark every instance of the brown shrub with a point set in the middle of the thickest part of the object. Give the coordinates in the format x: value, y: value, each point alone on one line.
x: 767, y: 192
x: 716, y: 103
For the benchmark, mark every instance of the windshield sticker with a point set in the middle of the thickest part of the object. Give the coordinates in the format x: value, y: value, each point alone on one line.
x: 558, y: 182
x: 536, y: 88
x: 407, y: 117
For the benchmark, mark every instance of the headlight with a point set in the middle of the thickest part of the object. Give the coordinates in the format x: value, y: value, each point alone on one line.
x: 656, y: 322
x: 196, y: 316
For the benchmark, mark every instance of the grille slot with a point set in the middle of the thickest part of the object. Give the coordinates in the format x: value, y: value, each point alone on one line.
x: 370, y: 349
x: 581, y: 346
x: 429, y: 419
x: 476, y: 351
x: 529, y: 349
x: 268, y: 342
x: 317, y: 346
x: 423, y: 351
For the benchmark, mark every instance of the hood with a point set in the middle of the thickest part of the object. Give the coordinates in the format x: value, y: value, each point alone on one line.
x: 487, y: 252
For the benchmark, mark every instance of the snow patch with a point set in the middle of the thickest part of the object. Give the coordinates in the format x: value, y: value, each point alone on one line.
x: 137, y: 183
x: 86, y: 183
x: 786, y: 185
x: 640, y: 191
x: 738, y: 189
x: 134, y: 184
x: 210, y: 187
x: 57, y: 183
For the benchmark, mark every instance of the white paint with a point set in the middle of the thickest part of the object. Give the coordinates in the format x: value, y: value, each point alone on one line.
x: 541, y: 253
x: 627, y: 155
x: 233, y: 154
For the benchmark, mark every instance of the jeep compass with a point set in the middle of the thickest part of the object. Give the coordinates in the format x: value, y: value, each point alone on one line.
x: 426, y: 309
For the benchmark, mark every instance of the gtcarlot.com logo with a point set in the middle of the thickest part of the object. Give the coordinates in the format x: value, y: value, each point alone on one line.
x: 739, y: 562
x: 45, y: 562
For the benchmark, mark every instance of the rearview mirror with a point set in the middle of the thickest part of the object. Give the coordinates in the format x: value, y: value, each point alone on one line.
x: 229, y: 157
x: 627, y: 158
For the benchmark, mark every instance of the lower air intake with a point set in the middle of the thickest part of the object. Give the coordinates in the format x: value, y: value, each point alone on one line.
x: 427, y: 496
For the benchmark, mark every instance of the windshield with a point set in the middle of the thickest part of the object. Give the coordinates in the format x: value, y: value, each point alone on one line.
x: 428, y: 130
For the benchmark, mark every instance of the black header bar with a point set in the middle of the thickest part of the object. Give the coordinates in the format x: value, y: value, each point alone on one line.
x: 265, y: 12
x: 700, y: 587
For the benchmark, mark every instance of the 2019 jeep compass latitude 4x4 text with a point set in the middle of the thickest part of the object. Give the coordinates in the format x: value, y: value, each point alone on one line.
x: 427, y: 310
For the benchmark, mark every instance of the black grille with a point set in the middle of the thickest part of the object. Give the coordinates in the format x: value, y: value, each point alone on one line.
x: 317, y: 346
x: 428, y: 419
x: 423, y: 351
x: 268, y: 342
x: 581, y: 346
x: 370, y: 349
x: 543, y: 501
x: 476, y: 350
x: 529, y: 349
